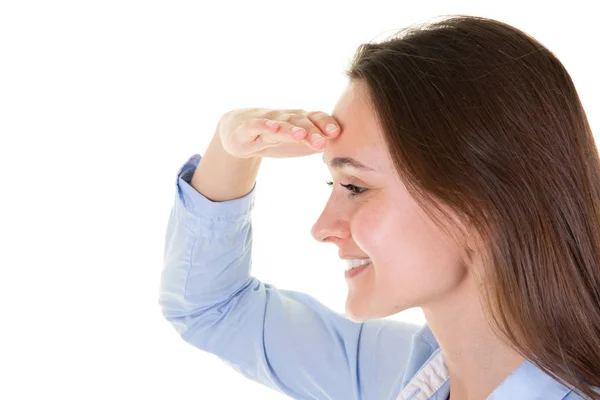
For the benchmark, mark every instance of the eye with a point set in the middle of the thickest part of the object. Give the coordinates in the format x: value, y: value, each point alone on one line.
x: 354, y: 190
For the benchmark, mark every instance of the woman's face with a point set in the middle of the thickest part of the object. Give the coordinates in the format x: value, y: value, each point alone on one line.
x: 413, y: 262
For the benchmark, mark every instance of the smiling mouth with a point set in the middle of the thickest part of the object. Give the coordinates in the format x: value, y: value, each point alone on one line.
x: 355, y: 263
x: 352, y: 272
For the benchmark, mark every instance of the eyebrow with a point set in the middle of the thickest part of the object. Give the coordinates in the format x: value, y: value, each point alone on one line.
x: 341, y: 162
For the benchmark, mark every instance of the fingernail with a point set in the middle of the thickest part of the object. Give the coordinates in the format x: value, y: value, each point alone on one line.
x: 316, y: 138
x: 299, y: 135
x: 330, y: 128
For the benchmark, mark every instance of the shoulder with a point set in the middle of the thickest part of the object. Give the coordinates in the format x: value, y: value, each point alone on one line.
x: 574, y: 395
x: 390, y: 350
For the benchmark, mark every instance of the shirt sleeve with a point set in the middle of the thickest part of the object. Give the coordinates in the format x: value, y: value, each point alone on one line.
x: 283, y: 339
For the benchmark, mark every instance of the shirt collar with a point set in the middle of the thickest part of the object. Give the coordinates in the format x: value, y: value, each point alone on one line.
x: 527, y: 381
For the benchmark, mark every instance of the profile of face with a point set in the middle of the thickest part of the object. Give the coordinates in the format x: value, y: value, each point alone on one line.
x: 413, y: 263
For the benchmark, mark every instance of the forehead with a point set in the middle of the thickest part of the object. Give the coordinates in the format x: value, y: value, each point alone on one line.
x: 360, y: 136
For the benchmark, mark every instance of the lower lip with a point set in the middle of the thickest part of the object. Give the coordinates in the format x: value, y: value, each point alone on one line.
x: 355, y: 271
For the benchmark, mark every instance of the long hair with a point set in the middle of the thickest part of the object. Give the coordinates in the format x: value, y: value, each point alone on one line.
x: 482, y: 120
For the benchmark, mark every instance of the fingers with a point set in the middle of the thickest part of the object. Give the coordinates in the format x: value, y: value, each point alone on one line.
x: 310, y: 129
x: 326, y: 123
x: 268, y: 133
x: 281, y: 131
x: 272, y: 130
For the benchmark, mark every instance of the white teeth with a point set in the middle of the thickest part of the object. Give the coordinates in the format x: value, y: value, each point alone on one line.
x: 356, y: 263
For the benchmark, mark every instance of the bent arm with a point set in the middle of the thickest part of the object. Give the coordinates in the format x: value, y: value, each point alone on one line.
x: 283, y: 339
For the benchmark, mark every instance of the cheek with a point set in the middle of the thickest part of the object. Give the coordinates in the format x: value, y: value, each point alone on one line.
x: 369, y: 229
x: 412, y: 258
x: 388, y: 232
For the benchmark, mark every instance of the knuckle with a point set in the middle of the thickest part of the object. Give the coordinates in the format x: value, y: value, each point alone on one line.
x: 317, y: 114
x: 272, y: 114
x: 293, y: 118
x: 285, y: 116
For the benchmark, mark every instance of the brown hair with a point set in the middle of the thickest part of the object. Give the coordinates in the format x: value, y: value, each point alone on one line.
x: 481, y: 119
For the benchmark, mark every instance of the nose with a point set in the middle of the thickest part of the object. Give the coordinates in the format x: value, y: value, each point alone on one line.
x: 330, y: 226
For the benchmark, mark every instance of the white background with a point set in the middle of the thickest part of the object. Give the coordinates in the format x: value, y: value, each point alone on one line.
x: 101, y: 102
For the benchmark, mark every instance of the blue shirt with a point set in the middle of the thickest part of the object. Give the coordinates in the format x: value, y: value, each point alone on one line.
x: 287, y: 340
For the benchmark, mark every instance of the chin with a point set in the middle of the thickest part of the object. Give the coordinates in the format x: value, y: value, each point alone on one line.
x: 356, y: 318
x: 361, y: 313
x: 358, y: 310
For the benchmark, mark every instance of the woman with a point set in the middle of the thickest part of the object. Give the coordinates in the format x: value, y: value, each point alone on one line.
x: 465, y: 176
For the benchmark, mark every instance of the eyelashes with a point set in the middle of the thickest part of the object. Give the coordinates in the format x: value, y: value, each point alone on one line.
x: 353, y: 189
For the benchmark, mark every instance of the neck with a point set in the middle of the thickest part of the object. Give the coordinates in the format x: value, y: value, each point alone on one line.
x: 477, y: 360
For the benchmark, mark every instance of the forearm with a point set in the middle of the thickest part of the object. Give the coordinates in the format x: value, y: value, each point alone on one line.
x: 221, y: 176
